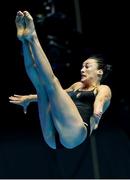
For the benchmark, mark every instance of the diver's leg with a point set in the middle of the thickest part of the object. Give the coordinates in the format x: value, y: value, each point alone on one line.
x: 46, y: 122
x: 66, y: 117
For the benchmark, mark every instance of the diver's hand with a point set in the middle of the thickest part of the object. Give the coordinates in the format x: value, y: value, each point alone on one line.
x: 94, y: 122
x: 22, y: 100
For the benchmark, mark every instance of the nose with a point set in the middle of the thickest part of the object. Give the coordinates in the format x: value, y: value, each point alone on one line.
x: 82, y: 70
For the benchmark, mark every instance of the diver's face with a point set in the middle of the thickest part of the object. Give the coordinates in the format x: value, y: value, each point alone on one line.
x: 89, y: 71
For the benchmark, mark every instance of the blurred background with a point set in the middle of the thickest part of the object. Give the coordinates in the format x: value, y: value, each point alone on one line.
x: 69, y: 31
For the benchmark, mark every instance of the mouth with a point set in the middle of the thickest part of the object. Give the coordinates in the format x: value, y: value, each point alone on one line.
x: 83, y: 76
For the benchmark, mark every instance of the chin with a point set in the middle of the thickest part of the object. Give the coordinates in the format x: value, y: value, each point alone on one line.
x: 82, y: 81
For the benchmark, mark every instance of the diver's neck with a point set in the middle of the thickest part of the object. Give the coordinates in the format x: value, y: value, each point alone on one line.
x: 90, y: 85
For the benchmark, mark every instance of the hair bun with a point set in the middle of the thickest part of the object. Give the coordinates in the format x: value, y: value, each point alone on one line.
x: 109, y: 67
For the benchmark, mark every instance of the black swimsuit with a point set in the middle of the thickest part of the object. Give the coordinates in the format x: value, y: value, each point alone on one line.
x: 84, y: 102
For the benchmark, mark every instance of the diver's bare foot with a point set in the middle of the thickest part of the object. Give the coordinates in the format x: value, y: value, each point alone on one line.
x: 29, y: 30
x: 20, y: 25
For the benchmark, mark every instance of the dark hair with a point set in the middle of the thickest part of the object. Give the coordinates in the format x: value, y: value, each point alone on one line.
x: 107, y: 68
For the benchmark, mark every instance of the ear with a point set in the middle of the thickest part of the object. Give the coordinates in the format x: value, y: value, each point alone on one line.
x: 100, y: 72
